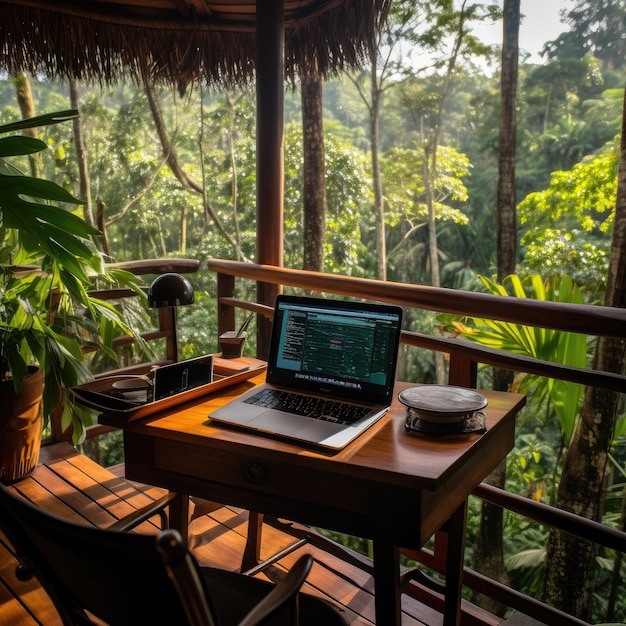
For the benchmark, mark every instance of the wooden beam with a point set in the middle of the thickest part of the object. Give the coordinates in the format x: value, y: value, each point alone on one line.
x: 270, y: 43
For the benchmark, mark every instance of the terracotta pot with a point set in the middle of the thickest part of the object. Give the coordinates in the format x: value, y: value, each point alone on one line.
x: 21, y: 422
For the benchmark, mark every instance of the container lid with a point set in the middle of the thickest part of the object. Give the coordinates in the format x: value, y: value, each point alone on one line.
x: 442, y: 400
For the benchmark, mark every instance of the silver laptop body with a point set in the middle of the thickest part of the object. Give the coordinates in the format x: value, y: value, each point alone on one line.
x: 323, y: 350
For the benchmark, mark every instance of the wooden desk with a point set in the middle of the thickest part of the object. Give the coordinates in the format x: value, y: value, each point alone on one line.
x: 392, y: 487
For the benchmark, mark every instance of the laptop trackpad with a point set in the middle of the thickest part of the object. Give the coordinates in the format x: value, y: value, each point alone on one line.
x: 240, y: 414
x: 277, y: 422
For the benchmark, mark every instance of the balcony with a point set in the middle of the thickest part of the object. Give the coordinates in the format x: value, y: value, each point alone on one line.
x: 340, y: 573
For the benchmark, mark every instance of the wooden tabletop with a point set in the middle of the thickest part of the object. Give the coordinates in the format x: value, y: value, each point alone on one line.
x: 384, y: 452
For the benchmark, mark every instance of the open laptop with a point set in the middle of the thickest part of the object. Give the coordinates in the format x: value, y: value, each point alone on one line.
x: 323, y: 353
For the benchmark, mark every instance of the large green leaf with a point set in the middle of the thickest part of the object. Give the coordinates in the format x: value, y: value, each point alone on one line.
x: 40, y: 120
x: 14, y: 146
x: 46, y: 228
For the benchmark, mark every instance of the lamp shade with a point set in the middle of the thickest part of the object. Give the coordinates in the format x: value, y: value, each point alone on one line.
x: 170, y: 290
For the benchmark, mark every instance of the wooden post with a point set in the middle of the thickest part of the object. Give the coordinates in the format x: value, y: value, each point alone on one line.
x: 225, y: 313
x: 167, y: 323
x: 270, y: 42
x: 463, y: 370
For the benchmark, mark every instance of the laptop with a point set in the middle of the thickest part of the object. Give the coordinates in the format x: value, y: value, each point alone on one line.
x: 330, y: 372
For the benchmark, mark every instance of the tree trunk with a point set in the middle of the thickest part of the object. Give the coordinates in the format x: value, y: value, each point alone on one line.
x: 379, y: 209
x: 569, y: 573
x: 488, y: 557
x: 430, y: 173
x: 26, y: 103
x: 232, y: 102
x: 507, y: 215
x: 314, y: 192
x: 81, y: 155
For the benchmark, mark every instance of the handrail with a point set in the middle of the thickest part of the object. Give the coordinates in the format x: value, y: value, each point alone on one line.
x: 157, y: 266
x: 582, y: 318
x: 517, y: 362
x: 590, y: 320
x: 607, y: 321
x: 551, y: 516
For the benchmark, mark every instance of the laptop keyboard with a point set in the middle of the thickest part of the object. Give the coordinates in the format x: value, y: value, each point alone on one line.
x: 316, y: 408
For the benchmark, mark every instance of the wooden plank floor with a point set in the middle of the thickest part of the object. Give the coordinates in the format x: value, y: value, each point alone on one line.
x: 71, y: 485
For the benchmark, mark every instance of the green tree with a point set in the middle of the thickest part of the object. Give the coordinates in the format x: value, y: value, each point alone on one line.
x: 569, y: 577
x: 567, y: 227
x: 406, y: 204
x: 349, y: 222
x: 596, y: 26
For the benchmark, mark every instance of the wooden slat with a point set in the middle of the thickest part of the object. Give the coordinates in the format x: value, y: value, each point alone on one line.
x: 22, y: 603
x: 18, y: 609
x: 70, y: 485
x: 105, y: 486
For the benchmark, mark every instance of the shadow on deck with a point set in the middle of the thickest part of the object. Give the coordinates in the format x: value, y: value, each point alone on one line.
x: 71, y: 485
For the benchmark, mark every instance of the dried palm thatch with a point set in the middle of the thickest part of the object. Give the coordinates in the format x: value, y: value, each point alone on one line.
x: 179, y: 41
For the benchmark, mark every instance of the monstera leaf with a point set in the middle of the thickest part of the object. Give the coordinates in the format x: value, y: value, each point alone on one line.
x: 39, y: 210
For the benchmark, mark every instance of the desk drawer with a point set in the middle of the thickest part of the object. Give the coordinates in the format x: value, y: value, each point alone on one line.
x: 294, y: 488
x: 285, y: 480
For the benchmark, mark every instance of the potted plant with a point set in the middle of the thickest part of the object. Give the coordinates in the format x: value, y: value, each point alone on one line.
x: 48, y: 261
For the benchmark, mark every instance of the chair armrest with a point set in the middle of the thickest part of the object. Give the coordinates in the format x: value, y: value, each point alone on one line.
x: 145, y: 513
x: 182, y: 572
x: 285, y: 591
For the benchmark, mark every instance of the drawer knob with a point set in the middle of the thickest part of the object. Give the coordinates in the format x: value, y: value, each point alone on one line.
x: 255, y: 472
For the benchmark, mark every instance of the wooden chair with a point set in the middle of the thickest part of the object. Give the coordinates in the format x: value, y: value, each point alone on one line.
x: 128, y: 578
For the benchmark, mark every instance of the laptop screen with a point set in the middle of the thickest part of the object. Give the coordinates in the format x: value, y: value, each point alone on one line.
x: 344, y: 349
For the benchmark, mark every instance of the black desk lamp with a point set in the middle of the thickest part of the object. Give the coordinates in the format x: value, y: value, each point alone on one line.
x: 167, y: 292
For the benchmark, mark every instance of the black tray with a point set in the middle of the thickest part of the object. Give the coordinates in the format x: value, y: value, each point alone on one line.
x: 100, y: 394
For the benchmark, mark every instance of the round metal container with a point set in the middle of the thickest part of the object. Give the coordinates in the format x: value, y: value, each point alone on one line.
x: 441, y: 404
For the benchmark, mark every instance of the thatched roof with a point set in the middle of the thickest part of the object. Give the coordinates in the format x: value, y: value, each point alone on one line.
x: 178, y: 41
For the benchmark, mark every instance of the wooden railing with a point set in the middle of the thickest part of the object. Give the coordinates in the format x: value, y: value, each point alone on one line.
x: 464, y: 358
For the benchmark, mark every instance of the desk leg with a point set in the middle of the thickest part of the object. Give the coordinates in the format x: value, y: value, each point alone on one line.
x: 179, y: 515
x: 252, y: 551
x: 454, y: 566
x: 387, y: 583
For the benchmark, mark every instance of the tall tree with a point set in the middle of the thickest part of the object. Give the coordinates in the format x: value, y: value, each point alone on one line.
x: 427, y: 27
x: 231, y: 103
x: 26, y: 103
x: 171, y: 156
x: 569, y: 579
x: 377, y: 79
x: 314, y: 188
x: 597, y: 27
x: 81, y: 155
x: 507, y: 218
x: 488, y: 556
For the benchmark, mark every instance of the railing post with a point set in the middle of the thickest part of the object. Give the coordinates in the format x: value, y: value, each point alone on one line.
x: 167, y: 324
x: 225, y: 312
x: 463, y: 370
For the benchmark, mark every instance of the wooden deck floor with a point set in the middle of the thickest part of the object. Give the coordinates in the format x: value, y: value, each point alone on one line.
x: 71, y: 485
